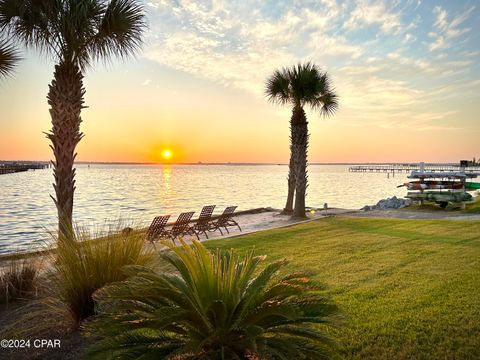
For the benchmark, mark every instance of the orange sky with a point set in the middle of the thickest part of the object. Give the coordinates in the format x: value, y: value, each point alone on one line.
x: 203, y: 98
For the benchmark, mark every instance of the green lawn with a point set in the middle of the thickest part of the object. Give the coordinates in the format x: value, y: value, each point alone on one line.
x: 407, y: 288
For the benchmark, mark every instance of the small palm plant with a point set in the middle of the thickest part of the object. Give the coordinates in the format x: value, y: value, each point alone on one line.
x: 215, y: 305
x: 300, y: 85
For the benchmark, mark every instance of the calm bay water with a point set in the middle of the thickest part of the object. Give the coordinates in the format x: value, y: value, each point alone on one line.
x: 140, y: 192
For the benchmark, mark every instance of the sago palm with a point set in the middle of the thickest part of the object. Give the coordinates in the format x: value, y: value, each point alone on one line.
x: 214, y: 305
x: 8, y: 58
x: 300, y: 85
x: 75, y: 33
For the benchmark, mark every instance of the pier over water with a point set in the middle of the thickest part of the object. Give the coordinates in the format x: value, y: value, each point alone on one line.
x: 9, y: 167
x: 409, y: 167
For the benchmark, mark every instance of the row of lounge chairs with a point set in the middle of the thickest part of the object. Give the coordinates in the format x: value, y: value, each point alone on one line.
x: 205, y: 223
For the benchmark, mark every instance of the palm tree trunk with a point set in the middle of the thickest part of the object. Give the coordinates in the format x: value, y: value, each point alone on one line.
x: 288, y: 209
x: 300, y: 146
x: 65, y: 97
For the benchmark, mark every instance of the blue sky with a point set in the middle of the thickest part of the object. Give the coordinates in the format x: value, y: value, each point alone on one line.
x: 391, y: 53
x: 407, y: 73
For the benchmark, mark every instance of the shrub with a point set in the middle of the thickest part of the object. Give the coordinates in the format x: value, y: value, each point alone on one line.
x: 215, y: 306
x: 18, y: 280
x: 89, y: 262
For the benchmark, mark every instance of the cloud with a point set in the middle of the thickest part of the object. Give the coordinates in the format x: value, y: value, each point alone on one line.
x: 419, y: 64
x: 438, y: 43
x: 225, y: 43
x: 321, y: 44
x: 408, y: 38
x: 367, y: 13
x: 445, y: 30
x: 369, y: 48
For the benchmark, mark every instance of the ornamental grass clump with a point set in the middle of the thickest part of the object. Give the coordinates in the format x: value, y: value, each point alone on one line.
x: 18, y: 280
x: 215, y: 305
x: 86, y: 262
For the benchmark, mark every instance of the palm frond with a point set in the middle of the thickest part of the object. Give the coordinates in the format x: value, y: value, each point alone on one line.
x: 77, y: 31
x: 326, y: 100
x: 277, y: 87
x: 8, y: 58
x: 209, y: 307
x: 119, y: 31
x: 30, y: 22
x: 74, y: 26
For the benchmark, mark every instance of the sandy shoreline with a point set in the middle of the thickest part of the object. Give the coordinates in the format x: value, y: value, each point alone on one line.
x: 261, y: 219
x: 250, y: 221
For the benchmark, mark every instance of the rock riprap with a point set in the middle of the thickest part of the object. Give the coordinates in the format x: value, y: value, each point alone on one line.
x: 389, y: 203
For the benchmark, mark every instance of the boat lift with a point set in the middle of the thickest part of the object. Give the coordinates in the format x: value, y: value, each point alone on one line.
x: 442, y: 187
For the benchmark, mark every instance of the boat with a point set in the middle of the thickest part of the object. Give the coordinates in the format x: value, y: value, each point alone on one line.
x: 434, y: 185
x: 443, y: 175
x: 440, y: 197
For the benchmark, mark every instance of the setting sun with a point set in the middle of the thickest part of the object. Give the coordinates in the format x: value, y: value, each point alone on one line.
x: 166, y: 154
x: 340, y: 134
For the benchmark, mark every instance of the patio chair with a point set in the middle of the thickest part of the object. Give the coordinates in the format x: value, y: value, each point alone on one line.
x: 203, y: 223
x: 157, y: 228
x: 181, y: 226
x: 225, y: 220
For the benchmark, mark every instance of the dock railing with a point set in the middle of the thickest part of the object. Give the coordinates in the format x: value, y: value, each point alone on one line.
x: 409, y: 167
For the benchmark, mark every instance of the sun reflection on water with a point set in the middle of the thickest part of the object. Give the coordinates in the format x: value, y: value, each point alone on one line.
x: 166, y: 193
x: 141, y: 192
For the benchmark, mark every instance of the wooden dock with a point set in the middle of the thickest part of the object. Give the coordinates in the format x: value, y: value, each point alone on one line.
x: 393, y: 168
x: 10, y: 167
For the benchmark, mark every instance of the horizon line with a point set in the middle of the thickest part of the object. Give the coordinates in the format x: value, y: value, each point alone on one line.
x: 227, y: 163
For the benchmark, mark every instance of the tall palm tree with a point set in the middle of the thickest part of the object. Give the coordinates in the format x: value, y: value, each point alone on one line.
x: 8, y: 58
x: 75, y: 33
x: 300, y: 85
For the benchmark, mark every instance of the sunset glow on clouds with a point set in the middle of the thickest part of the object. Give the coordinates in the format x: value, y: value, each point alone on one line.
x: 407, y: 73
